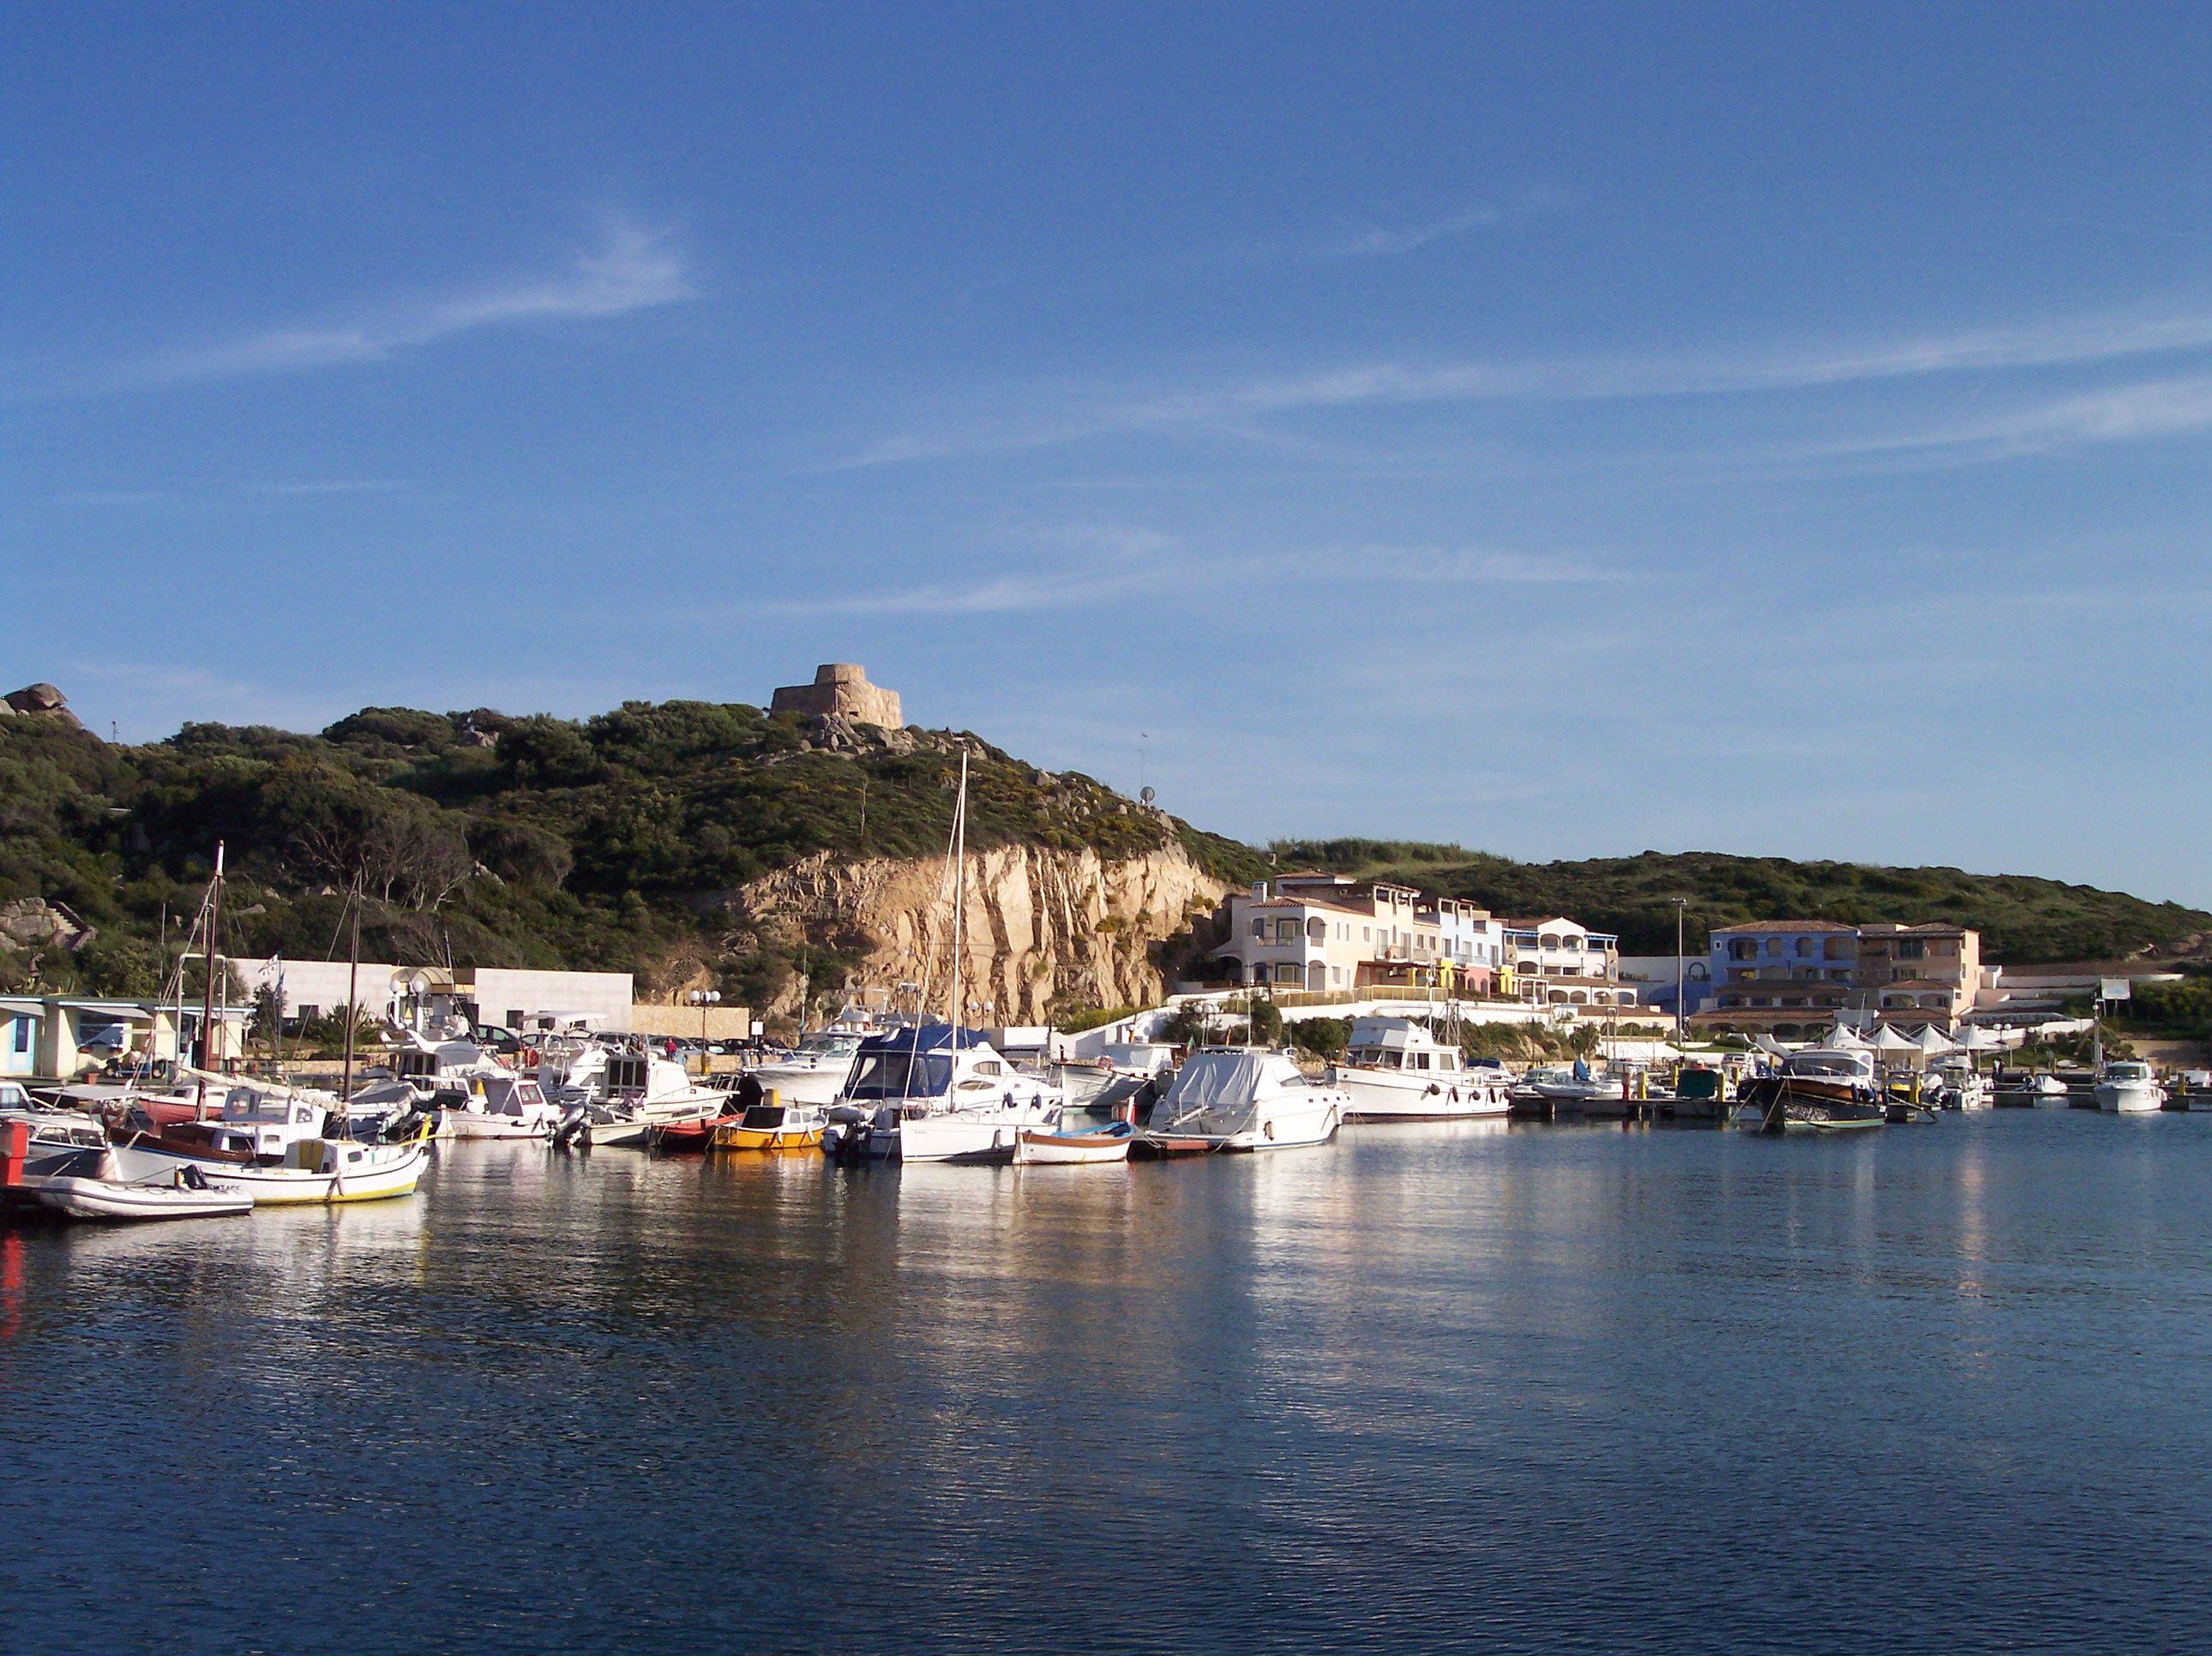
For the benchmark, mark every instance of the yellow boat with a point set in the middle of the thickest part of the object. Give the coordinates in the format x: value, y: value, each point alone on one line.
x: 770, y: 1125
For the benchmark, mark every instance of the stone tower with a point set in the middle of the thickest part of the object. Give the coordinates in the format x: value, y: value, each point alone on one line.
x: 840, y: 691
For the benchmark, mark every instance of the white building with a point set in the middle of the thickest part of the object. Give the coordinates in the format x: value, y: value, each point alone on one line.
x: 1322, y: 933
x: 502, y: 995
x: 1557, y: 962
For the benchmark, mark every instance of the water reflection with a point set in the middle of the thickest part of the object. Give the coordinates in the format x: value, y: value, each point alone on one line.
x: 1435, y: 1385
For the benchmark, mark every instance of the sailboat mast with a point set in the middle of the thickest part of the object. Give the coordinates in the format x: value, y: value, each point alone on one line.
x: 353, y: 994
x: 207, y: 1000
x: 959, y: 891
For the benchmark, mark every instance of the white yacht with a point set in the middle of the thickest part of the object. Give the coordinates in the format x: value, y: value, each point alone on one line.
x: 635, y: 1093
x: 935, y: 1093
x: 1236, y: 1098
x: 2126, y: 1087
x: 1395, y: 1069
x: 815, y: 1073
x: 1965, y: 1088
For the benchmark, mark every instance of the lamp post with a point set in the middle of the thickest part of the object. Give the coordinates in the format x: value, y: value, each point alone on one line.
x: 703, y: 998
x: 1681, y: 908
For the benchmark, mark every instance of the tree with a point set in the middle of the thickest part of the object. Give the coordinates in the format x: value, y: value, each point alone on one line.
x: 1325, y: 1038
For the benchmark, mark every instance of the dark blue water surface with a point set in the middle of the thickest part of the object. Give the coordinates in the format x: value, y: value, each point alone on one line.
x: 1941, y: 1388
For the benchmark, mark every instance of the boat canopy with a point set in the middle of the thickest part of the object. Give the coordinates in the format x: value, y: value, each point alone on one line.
x: 1850, y: 1063
x: 924, y: 1038
x: 1229, y: 1078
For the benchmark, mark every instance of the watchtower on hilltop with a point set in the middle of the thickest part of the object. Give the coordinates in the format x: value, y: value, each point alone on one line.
x: 840, y: 691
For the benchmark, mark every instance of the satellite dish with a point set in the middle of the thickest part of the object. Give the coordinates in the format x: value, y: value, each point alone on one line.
x: 1148, y: 795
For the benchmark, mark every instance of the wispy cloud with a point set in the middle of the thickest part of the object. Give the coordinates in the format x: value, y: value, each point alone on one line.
x: 629, y: 269
x: 1383, y: 241
x: 1236, y: 408
x: 2146, y: 410
x: 998, y: 595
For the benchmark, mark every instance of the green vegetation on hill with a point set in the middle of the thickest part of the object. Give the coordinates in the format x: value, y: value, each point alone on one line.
x: 534, y: 841
x: 2021, y: 919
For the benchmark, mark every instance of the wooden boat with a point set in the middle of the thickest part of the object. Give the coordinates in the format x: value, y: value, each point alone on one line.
x: 1050, y: 1148
x: 184, y: 1193
x: 773, y: 1125
x: 318, y: 1170
x: 675, y: 1137
x: 1823, y: 1090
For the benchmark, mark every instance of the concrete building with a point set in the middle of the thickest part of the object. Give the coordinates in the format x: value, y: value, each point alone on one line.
x: 506, y: 996
x: 840, y: 691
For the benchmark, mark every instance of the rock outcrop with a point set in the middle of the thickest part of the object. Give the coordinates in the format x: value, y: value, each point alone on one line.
x: 34, y: 923
x: 40, y: 701
x: 1044, y: 926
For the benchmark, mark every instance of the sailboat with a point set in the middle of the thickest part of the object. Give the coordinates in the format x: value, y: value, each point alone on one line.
x: 940, y: 1092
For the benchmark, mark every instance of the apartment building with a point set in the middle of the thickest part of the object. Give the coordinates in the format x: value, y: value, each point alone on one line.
x: 1324, y: 932
x: 1555, y: 962
x: 1785, y: 975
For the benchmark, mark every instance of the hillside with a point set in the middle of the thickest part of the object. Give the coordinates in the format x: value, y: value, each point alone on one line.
x: 696, y: 842
x: 615, y: 842
x: 2022, y: 919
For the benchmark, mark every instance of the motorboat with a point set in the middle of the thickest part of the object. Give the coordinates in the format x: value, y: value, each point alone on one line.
x: 638, y: 1092
x: 1240, y: 1098
x: 1570, y: 1086
x: 1964, y: 1086
x: 1083, y: 1147
x: 83, y: 1186
x: 2127, y: 1087
x: 1394, y: 1069
x: 498, y: 1106
x: 814, y: 1073
x: 934, y: 1092
x: 1821, y: 1090
x: 50, y: 1132
x: 773, y: 1124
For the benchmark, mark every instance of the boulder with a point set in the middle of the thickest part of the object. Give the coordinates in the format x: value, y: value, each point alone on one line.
x: 37, y: 699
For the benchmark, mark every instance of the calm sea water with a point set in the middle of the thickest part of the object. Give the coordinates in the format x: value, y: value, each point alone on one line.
x: 1942, y: 1387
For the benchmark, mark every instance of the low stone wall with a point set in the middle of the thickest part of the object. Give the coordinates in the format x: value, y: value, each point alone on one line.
x: 722, y: 1022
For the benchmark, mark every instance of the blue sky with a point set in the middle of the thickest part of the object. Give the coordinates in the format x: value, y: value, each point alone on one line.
x: 1564, y: 429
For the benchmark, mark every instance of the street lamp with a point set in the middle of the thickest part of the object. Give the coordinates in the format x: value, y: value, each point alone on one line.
x: 1681, y: 908
x: 703, y: 998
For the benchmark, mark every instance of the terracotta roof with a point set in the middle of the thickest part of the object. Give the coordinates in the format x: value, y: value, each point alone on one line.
x: 1921, y: 984
x: 1930, y: 929
x: 1781, y: 925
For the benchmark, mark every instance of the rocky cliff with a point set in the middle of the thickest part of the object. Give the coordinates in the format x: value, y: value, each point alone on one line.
x: 1045, y: 926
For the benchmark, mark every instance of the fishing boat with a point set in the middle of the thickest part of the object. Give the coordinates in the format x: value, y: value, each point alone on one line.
x: 2127, y: 1087
x: 773, y: 1124
x: 1821, y: 1090
x: 311, y: 1170
x: 82, y: 1186
x: 1046, y: 1147
x: 1239, y: 1098
x: 1394, y: 1069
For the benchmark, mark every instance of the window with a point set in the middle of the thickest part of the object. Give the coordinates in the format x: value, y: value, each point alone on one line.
x: 1367, y: 934
x: 22, y: 1035
x: 1743, y: 949
x: 1336, y: 975
x: 1911, y: 948
x: 1774, y: 945
x: 310, y: 1012
x: 1260, y: 927
x: 514, y: 1018
x: 1804, y: 946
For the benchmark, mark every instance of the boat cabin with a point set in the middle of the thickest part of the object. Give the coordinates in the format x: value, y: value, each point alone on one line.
x: 931, y: 1061
x: 1831, y: 1064
x: 1399, y: 1044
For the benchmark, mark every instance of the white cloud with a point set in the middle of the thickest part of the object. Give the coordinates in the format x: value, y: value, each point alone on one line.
x: 630, y: 269
x: 1380, y: 240
x: 2147, y: 409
